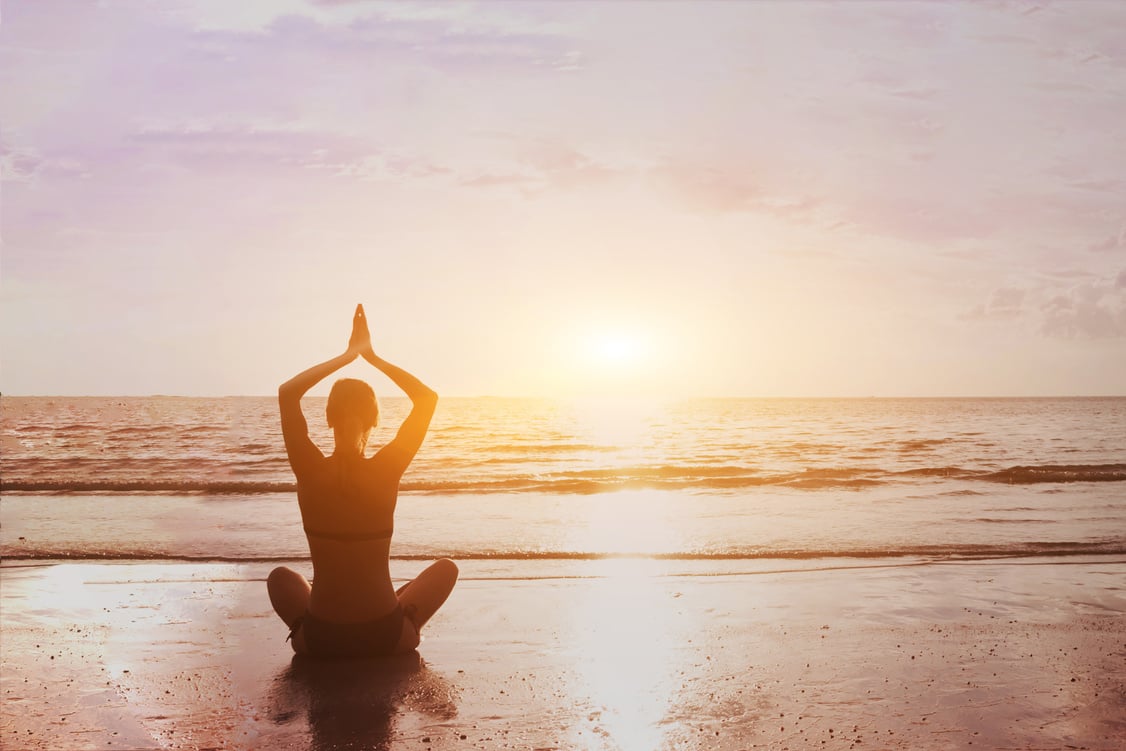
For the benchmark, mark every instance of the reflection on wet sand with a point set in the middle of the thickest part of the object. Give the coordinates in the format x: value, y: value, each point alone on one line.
x: 629, y: 662
x: 355, y: 703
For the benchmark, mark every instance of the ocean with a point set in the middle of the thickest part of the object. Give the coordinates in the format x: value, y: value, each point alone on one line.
x: 173, y: 478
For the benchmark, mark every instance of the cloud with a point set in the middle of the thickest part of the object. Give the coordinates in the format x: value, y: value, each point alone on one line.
x: 25, y: 164
x: 564, y: 166
x: 543, y: 164
x: 1007, y: 300
x: 1004, y: 304
x: 147, y: 98
x: 1069, y: 274
x: 1108, y: 185
x: 500, y: 180
x: 454, y: 46
x: 237, y: 146
x: 18, y: 164
x: 711, y: 188
x: 1092, y: 310
x: 221, y: 147
x: 727, y: 190
x: 1067, y: 304
x: 901, y: 208
x: 1112, y: 242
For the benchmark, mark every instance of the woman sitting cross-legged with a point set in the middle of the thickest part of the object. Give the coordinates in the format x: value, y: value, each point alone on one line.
x: 347, y: 505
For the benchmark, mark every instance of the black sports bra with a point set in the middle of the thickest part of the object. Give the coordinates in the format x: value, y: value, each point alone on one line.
x: 379, y: 534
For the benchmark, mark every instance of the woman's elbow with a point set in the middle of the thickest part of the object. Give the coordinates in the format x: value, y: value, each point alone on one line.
x: 287, y: 392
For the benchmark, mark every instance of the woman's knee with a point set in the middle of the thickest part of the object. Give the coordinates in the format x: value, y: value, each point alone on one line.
x: 279, y: 576
x: 446, y: 568
x: 289, y: 594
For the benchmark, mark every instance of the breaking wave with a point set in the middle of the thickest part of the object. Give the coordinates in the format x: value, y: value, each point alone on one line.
x: 588, y: 481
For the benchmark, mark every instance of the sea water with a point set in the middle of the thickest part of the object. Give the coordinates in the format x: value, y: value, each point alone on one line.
x: 510, y: 479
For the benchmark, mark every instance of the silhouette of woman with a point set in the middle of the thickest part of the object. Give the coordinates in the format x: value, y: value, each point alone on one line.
x: 347, y: 508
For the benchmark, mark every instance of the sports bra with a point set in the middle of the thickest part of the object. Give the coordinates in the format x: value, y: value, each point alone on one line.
x: 379, y: 534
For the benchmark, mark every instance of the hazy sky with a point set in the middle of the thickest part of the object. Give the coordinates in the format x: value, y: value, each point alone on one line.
x: 560, y: 198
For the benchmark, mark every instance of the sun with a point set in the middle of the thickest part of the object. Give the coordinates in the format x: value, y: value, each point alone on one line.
x: 616, y: 348
x: 604, y: 358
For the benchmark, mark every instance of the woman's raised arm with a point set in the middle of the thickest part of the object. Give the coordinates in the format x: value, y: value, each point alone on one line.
x: 295, y: 430
x: 411, y: 433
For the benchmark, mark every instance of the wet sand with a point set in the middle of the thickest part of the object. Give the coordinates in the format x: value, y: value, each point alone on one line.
x: 617, y: 654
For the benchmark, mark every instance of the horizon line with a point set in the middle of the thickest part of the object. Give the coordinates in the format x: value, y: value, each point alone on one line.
x: 586, y: 397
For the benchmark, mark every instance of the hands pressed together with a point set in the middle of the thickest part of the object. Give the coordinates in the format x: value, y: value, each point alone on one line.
x: 422, y: 396
x: 359, y: 345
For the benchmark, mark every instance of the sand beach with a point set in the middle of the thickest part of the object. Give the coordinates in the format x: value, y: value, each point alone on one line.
x: 615, y: 654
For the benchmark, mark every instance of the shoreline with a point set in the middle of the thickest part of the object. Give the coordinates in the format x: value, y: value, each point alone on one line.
x: 999, y: 653
x: 677, y: 526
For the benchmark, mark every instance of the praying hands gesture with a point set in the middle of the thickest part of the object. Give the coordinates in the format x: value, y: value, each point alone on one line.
x: 360, y: 342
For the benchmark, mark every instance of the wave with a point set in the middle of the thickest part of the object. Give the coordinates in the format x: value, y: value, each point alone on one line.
x: 919, y: 552
x: 221, y: 487
x: 921, y: 444
x: 1027, y: 475
x: 707, y: 477
x: 956, y: 472
x: 536, y: 449
x: 551, y: 486
x: 73, y: 428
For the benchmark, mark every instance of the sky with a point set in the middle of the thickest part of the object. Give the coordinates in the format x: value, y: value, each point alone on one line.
x: 565, y: 199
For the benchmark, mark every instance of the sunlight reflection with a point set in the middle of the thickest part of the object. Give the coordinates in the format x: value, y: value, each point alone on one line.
x: 618, y: 422
x: 69, y: 584
x: 629, y: 523
x: 627, y: 634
